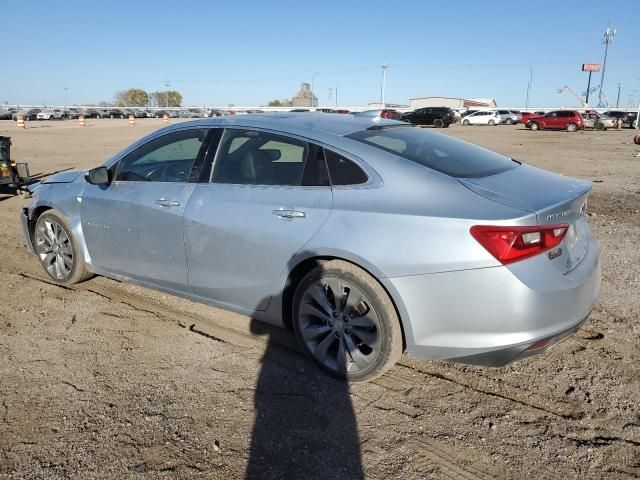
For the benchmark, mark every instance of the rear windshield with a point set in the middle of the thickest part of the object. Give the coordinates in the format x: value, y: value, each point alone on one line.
x: 437, y: 151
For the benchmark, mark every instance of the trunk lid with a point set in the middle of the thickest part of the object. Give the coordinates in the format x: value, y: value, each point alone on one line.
x: 553, y: 198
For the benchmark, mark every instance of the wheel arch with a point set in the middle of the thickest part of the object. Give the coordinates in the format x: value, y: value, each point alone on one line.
x: 304, y: 265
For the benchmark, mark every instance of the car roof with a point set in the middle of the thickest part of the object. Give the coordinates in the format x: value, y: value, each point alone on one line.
x: 305, y: 124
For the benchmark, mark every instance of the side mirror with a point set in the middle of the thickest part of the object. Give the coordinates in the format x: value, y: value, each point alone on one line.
x: 98, y: 176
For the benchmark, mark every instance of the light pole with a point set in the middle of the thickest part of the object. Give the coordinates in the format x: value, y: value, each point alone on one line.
x: 313, y: 80
x: 166, y: 94
x: 529, y: 86
x: 609, y: 33
x: 66, y: 95
x: 383, y: 86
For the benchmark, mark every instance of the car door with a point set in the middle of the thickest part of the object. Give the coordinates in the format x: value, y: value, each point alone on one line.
x: 266, y: 198
x: 551, y: 120
x: 133, y: 225
x: 480, y: 118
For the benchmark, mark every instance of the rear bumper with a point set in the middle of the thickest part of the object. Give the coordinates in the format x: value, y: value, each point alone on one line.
x: 491, y: 316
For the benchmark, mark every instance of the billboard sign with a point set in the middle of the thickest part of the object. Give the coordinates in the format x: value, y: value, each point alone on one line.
x: 590, y: 67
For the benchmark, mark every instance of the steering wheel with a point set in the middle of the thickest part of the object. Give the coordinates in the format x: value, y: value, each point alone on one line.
x: 168, y: 173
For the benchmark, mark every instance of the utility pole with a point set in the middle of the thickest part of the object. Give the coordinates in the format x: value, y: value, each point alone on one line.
x: 609, y: 33
x: 66, y: 97
x: 383, y: 86
x: 336, y: 97
x: 618, y: 99
x: 529, y: 86
x: 166, y: 93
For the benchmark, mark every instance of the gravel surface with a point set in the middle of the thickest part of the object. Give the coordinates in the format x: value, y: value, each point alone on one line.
x: 111, y: 380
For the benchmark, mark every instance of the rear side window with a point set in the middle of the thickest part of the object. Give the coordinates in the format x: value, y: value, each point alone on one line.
x: 439, y: 152
x: 251, y: 157
x: 343, y: 171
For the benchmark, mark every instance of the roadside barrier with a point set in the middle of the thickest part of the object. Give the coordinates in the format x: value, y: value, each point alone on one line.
x: 81, y: 122
x: 132, y: 121
x: 21, y: 122
x: 636, y: 139
x: 165, y: 118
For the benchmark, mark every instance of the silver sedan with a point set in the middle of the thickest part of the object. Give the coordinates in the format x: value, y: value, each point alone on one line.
x: 368, y: 238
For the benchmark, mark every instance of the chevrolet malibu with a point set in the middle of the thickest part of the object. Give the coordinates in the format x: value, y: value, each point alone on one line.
x: 368, y: 238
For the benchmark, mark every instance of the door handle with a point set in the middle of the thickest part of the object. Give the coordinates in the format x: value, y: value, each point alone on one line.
x: 282, y: 213
x: 167, y: 203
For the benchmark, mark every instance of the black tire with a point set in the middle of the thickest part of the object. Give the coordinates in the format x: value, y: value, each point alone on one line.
x: 599, y: 126
x: 437, y: 123
x: 466, y: 123
x: 534, y: 126
x: 122, y: 116
x: 111, y: 116
x: 509, y: 121
x: 374, y: 317
x: 492, y: 123
x: 572, y: 127
x: 77, y: 272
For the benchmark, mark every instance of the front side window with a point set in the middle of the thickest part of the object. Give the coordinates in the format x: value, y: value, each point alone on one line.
x: 169, y: 158
x: 250, y: 157
x: 438, y: 152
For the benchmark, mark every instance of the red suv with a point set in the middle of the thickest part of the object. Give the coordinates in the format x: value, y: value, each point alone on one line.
x: 569, y: 120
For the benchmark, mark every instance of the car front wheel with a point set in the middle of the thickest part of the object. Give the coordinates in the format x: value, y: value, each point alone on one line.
x: 438, y: 123
x: 572, y: 127
x: 492, y: 123
x: 534, y: 126
x: 57, y: 251
x: 466, y: 123
x: 346, y: 322
x: 509, y: 121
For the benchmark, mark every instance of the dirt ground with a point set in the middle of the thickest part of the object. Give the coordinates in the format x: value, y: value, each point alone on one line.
x: 110, y: 380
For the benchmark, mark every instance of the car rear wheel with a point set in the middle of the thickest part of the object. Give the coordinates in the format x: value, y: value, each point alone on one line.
x: 57, y: 250
x: 492, y: 123
x: 599, y: 126
x: 534, y: 126
x: 572, y: 127
x: 345, y: 322
x: 466, y: 123
x: 438, y: 123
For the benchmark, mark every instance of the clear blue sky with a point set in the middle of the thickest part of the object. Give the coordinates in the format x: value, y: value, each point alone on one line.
x: 249, y: 52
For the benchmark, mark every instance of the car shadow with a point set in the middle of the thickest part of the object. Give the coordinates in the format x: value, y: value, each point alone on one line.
x: 305, y: 425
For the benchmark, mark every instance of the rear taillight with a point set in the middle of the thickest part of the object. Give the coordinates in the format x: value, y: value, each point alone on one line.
x: 511, y: 244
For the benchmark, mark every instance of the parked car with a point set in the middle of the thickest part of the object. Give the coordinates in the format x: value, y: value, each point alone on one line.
x: 72, y: 113
x: 6, y: 114
x: 527, y: 115
x: 482, y: 117
x: 509, y: 117
x: 628, y: 118
x: 490, y: 239
x: 298, y: 110
x: 386, y: 113
x: 569, y: 120
x: 92, y: 113
x: 31, y: 114
x: 597, y: 121
x: 439, y: 117
x: 196, y: 113
x: 55, y: 114
x: 117, y: 113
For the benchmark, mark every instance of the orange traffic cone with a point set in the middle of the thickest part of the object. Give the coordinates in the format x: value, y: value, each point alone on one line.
x: 81, y: 122
x: 132, y: 121
x: 165, y: 118
x: 21, y: 122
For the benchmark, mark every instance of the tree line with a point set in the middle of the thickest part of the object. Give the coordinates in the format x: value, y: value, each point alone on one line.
x: 136, y: 97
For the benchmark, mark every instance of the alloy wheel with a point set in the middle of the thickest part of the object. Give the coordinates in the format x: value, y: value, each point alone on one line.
x: 54, y: 248
x: 339, y: 326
